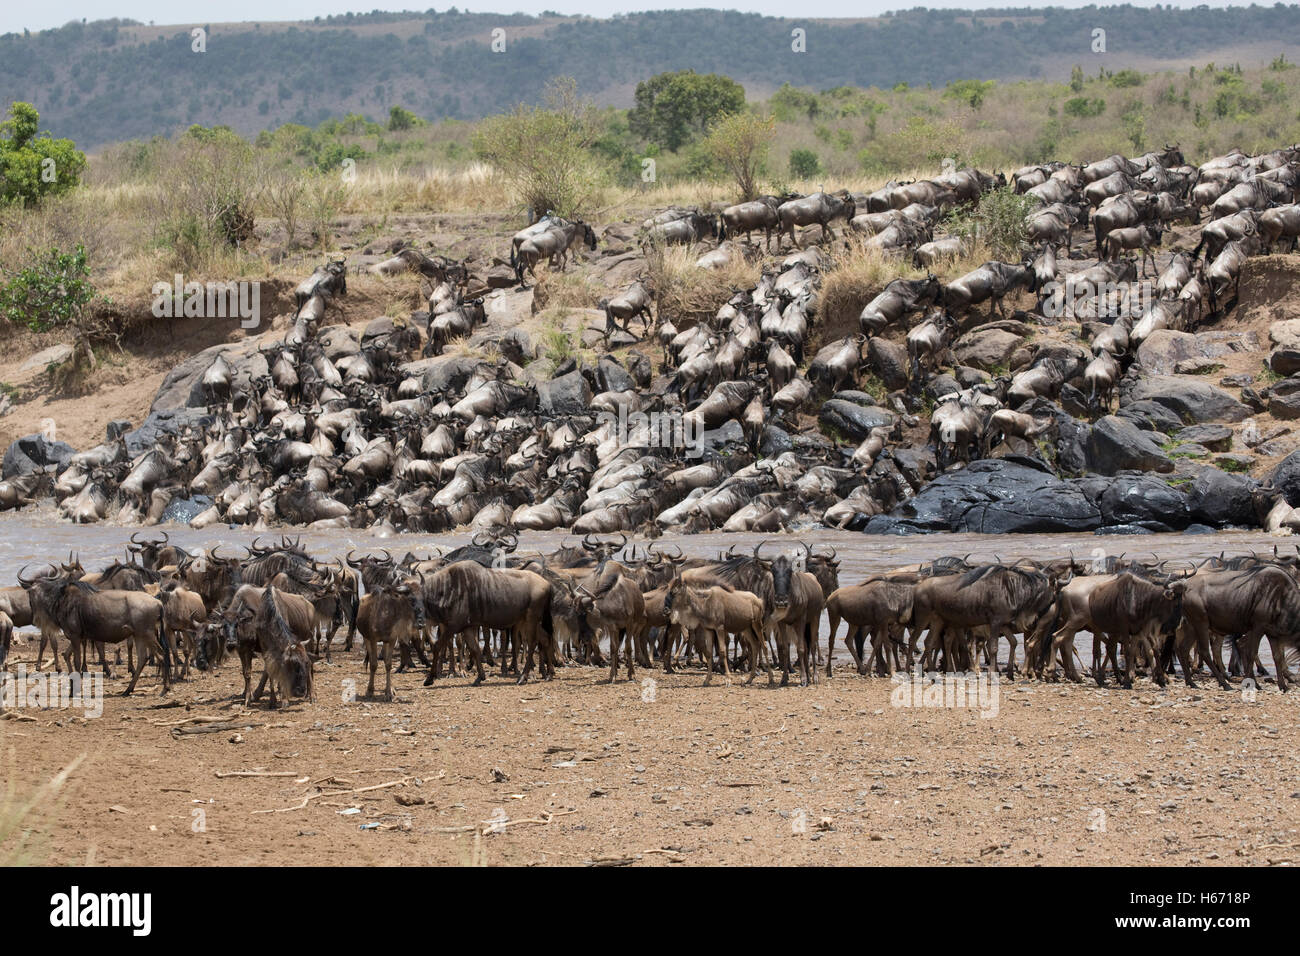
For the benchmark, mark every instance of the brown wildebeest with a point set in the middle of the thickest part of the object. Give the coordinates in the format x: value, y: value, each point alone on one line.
x: 1254, y: 602
x: 712, y: 612
x: 1130, y: 611
x: 87, y: 614
x: 464, y: 596
x: 881, y: 606
x: 1006, y: 600
x: 286, y: 665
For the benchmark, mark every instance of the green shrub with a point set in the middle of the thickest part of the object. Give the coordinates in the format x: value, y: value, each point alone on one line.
x: 804, y: 164
x: 49, y: 293
x: 34, y: 166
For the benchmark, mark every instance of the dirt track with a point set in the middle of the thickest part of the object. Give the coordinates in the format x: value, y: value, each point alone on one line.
x: 720, y: 775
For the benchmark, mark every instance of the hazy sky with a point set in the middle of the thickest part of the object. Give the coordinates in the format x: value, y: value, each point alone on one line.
x: 15, y: 16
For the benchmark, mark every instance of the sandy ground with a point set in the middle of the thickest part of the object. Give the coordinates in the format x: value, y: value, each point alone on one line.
x: 583, y: 772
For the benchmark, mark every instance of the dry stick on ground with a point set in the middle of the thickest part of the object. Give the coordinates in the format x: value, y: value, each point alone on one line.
x: 222, y: 775
x: 215, y: 728
x: 495, y: 826
x: 336, y: 793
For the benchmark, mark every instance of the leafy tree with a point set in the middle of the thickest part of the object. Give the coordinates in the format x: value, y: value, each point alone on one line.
x: 400, y: 118
x: 49, y: 293
x: 673, y: 108
x: 804, y: 164
x: 1076, y: 79
x: 33, y: 166
x: 543, y: 151
x: 739, y: 143
x: 1083, y: 107
x: 971, y: 92
x: 789, y: 104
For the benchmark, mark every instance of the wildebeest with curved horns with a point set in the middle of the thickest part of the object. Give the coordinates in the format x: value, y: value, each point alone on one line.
x: 464, y: 596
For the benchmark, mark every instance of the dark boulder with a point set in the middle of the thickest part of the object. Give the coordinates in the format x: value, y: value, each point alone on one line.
x: 852, y: 420
x: 1151, y: 416
x: 1222, y: 499
x: 888, y: 361
x: 32, y: 453
x: 1116, y: 444
x: 163, y: 423
x: 613, y: 377
x: 1190, y: 400
x: 1213, y: 437
x: 1285, y: 477
x: 1146, y: 501
x: 566, y: 395
x: 994, y: 496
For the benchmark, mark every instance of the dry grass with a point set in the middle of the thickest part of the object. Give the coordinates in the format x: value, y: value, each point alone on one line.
x: 391, y: 189
x: 567, y: 290
x: 22, y: 816
x: 856, y: 276
x: 684, y: 291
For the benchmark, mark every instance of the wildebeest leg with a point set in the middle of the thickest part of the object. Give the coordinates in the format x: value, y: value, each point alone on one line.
x: 783, y: 651
x: 613, y: 657
x: 388, y: 671
x: 1279, y: 647
x: 834, y: 621
x: 372, y: 656
x: 1098, y: 660
x: 246, y: 669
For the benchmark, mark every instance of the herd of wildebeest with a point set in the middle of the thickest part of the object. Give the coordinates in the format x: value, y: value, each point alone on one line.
x: 389, y: 428
x: 603, y: 601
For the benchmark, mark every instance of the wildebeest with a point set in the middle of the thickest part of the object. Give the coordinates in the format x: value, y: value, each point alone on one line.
x: 818, y: 209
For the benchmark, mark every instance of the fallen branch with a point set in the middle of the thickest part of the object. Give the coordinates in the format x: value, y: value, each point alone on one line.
x: 222, y: 775
x: 336, y: 793
x: 214, y: 728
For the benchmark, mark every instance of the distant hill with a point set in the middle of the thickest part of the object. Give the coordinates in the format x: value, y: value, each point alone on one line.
x: 114, y: 80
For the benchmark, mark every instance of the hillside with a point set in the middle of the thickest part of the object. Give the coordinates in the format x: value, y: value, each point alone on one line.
x: 113, y: 80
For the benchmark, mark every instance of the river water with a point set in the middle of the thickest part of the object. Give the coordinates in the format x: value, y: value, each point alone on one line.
x: 36, y: 539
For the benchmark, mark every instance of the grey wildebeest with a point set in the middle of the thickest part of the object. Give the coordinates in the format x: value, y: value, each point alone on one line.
x: 994, y: 280
x: 818, y: 209
x: 631, y: 302
x: 554, y: 244
x: 896, y: 301
x: 465, y: 596
x: 327, y: 281
x: 746, y: 217
x: 86, y: 614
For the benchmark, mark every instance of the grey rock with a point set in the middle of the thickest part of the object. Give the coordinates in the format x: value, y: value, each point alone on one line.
x: 1213, y: 437
x: 31, y: 453
x: 986, y: 348
x: 852, y: 420
x: 1190, y: 400
x: 1215, y: 497
x: 1116, y: 444
x: 567, y: 395
x: 888, y: 361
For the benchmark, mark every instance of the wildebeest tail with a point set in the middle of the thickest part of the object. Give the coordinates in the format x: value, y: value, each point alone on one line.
x: 166, y: 647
